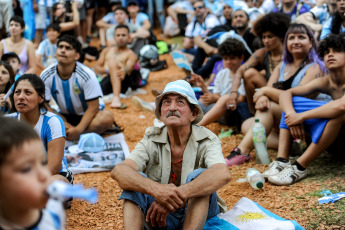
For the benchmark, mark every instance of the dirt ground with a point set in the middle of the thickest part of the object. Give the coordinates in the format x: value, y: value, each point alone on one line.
x: 289, y: 202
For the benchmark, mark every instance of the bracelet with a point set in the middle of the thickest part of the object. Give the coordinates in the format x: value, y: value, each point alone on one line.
x: 107, y: 71
x: 126, y: 69
x: 233, y: 91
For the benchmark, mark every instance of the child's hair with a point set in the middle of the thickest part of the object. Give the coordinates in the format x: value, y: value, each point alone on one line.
x: 231, y: 46
x: 9, y: 55
x: 8, y: 67
x: 276, y: 23
x: 122, y: 26
x: 334, y: 41
x: 124, y: 9
x: 312, y: 56
x: 14, y: 134
x: 72, y: 41
x: 36, y: 83
x: 54, y: 26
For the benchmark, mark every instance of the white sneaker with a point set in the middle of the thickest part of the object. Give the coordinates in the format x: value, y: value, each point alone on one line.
x: 274, y: 168
x: 139, y: 103
x: 288, y: 176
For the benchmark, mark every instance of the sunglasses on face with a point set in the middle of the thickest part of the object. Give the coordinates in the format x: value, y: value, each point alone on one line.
x: 198, y: 7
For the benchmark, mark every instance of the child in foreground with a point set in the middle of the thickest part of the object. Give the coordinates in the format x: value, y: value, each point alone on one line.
x: 24, y: 178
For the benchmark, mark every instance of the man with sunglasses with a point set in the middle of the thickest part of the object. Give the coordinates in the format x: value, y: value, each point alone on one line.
x: 202, y: 23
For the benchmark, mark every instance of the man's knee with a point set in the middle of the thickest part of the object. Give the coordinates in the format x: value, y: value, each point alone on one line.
x: 194, y: 174
x: 106, y: 117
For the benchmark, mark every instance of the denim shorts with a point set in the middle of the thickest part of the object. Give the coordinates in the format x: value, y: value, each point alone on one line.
x: 41, y: 17
x: 175, y: 219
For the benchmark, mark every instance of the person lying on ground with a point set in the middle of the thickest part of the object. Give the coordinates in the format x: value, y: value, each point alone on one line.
x: 118, y: 64
x: 173, y: 166
x: 321, y: 120
x: 300, y: 65
x: 76, y: 91
x: 257, y: 70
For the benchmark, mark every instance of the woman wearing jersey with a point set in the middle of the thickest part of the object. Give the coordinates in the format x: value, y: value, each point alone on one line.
x: 28, y: 100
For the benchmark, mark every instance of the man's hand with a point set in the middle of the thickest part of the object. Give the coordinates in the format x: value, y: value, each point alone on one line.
x: 297, y: 132
x: 73, y: 133
x: 262, y: 103
x: 207, y: 98
x: 121, y: 73
x: 169, y: 196
x: 292, y: 119
x: 231, y: 103
x: 197, y: 80
x: 157, y: 214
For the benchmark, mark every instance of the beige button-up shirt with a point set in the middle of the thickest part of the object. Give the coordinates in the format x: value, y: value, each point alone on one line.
x: 153, y: 154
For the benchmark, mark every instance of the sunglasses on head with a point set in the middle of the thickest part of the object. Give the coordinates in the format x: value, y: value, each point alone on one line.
x: 198, y: 7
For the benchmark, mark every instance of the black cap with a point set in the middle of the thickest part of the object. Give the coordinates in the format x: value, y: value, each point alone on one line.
x: 6, y: 56
x: 133, y: 2
x: 113, y: 2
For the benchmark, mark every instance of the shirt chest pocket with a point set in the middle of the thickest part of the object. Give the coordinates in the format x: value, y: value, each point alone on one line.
x: 154, y: 168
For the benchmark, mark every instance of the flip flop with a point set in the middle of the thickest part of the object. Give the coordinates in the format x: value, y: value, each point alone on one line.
x: 115, y: 128
x: 122, y: 106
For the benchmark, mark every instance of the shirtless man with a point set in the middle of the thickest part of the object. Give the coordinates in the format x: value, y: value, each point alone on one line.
x: 117, y: 62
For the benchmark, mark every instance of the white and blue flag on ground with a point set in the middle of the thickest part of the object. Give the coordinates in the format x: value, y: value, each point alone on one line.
x: 249, y: 215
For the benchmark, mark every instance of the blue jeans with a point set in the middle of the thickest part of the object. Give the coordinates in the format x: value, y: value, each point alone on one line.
x: 175, y: 219
x: 159, y: 11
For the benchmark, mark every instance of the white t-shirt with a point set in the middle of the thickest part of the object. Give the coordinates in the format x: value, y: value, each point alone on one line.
x: 72, y: 94
x: 223, y: 83
x: 195, y: 29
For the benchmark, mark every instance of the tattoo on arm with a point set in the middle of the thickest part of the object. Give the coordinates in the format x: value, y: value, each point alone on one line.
x: 318, y: 75
x: 248, y: 67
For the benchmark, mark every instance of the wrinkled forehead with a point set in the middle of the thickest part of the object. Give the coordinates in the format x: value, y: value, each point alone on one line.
x: 170, y: 96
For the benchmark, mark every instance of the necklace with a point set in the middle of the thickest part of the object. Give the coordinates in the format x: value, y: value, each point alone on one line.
x: 173, y: 174
x: 273, y: 63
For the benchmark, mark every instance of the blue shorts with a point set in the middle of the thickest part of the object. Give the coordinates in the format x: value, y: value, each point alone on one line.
x: 175, y: 219
x: 314, y: 127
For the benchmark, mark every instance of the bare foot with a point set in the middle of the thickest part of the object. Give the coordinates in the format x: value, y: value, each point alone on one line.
x: 116, y: 103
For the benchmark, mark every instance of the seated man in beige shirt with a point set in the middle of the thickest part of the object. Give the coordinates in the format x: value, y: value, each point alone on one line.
x: 173, y: 166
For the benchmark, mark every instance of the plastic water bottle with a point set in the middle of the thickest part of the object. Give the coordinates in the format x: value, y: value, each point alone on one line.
x: 254, y: 178
x: 259, y: 139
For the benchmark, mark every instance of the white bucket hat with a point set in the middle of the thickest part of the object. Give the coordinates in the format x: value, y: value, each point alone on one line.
x: 184, y: 89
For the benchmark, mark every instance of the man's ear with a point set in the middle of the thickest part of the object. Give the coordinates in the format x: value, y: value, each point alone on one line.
x: 77, y: 56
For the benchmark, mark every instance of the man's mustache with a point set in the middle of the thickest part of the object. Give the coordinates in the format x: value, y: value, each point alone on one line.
x: 173, y: 113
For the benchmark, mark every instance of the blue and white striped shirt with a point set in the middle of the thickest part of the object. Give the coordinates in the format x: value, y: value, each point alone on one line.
x: 72, y: 94
x: 48, y: 127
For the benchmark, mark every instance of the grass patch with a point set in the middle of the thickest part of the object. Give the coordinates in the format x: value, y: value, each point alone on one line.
x: 327, y: 214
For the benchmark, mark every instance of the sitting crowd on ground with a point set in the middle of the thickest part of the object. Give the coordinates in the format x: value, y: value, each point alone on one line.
x: 280, y: 62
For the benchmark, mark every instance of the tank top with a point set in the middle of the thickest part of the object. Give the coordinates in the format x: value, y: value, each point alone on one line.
x: 299, y: 76
x: 23, y: 57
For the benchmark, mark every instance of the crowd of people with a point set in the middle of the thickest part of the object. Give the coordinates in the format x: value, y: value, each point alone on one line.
x: 280, y: 62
